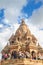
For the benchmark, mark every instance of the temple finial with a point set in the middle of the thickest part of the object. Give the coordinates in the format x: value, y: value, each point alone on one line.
x: 23, y: 22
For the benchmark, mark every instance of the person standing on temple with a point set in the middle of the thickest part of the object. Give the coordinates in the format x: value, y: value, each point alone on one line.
x: 15, y: 54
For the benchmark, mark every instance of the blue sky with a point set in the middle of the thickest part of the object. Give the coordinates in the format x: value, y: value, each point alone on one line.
x: 30, y: 7
x: 2, y: 17
x: 1, y: 13
x: 11, y: 13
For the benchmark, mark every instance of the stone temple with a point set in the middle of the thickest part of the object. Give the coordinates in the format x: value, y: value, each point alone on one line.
x: 23, y: 40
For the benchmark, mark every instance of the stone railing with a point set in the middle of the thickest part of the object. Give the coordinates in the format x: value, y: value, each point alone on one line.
x: 22, y: 62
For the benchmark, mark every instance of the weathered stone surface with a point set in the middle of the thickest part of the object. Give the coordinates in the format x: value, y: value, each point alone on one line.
x: 22, y: 62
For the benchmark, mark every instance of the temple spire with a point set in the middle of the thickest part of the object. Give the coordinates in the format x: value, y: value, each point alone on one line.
x: 23, y: 22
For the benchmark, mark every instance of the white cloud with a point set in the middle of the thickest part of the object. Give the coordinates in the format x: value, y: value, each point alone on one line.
x: 12, y: 9
x: 4, y: 37
x: 6, y: 21
x: 37, y: 17
x: 1, y: 25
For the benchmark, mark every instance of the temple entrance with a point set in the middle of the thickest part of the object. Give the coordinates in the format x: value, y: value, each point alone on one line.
x: 33, y: 53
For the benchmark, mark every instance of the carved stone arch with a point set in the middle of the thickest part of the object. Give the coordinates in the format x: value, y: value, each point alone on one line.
x: 33, y: 54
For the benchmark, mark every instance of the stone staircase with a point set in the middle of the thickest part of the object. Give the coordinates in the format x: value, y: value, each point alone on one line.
x: 22, y: 62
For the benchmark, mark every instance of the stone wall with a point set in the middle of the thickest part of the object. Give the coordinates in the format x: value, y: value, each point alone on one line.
x: 22, y: 62
x: 0, y: 62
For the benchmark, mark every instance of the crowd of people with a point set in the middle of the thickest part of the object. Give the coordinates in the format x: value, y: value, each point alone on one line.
x: 19, y: 55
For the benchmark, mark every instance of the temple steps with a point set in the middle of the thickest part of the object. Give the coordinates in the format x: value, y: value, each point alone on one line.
x: 22, y: 62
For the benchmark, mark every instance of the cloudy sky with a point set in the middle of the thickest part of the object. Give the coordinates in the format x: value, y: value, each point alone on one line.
x: 11, y: 13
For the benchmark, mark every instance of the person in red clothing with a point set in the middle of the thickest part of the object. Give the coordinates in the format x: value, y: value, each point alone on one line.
x: 5, y: 56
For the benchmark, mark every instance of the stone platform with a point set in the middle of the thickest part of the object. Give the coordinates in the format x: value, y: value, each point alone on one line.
x: 22, y: 62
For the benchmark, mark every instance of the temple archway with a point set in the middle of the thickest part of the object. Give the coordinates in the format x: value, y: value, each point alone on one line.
x: 33, y: 54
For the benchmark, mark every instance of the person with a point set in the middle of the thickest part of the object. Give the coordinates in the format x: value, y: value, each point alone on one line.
x: 5, y: 56
x: 12, y: 55
x: 9, y: 56
x: 19, y: 54
x: 34, y: 55
x: 27, y: 54
x: 38, y: 56
x: 15, y: 55
x: 23, y: 55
